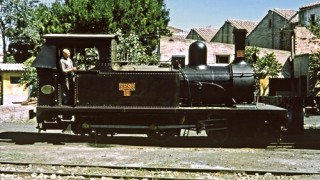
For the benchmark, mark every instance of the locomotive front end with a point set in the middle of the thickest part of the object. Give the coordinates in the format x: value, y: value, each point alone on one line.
x: 218, y: 84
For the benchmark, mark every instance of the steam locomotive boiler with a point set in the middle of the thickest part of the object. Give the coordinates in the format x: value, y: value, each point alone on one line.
x: 159, y: 102
x: 218, y: 84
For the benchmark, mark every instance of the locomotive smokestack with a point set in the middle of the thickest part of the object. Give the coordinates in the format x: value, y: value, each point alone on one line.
x: 239, y: 44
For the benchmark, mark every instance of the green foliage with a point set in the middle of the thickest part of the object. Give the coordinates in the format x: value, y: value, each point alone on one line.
x: 52, y: 19
x: 263, y: 66
x: 10, y: 59
x: 314, y: 63
x: 267, y: 66
x: 314, y: 27
x: 29, y: 76
x: 25, y: 31
x: 130, y: 49
x: 252, y: 55
x: 87, y: 60
x: 314, y: 69
x: 16, y: 18
x: 145, y: 18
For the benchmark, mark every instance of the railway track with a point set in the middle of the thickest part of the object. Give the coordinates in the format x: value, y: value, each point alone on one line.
x: 131, y: 172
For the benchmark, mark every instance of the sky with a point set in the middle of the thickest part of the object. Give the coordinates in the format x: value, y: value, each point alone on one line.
x: 186, y: 14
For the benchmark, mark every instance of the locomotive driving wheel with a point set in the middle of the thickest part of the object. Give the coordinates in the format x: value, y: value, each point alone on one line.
x: 161, y: 136
x: 218, y: 137
x: 263, y: 134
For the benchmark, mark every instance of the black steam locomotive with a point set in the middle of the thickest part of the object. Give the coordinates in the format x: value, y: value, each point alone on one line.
x: 159, y: 102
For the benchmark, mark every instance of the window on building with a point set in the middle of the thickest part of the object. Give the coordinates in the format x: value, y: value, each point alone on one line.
x: 222, y: 59
x: 14, y: 80
x: 312, y: 19
x: 270, y: 23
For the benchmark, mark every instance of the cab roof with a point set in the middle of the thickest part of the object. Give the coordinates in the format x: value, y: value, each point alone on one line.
x: 79, y: 36
x: 79, y: 39
x: 47, y: 57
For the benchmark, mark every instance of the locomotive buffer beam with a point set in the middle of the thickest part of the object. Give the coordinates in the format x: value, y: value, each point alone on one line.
x: 61, y: 125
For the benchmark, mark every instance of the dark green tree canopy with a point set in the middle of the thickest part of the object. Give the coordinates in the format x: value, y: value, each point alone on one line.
x: 23, y: 22
x: 143, y: 17
x: 16, y: 23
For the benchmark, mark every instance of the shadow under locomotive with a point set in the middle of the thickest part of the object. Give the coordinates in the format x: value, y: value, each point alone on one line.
x: 308, y: 140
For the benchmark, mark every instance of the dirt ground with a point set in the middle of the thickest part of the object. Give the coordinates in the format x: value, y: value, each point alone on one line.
x: 20, y: 141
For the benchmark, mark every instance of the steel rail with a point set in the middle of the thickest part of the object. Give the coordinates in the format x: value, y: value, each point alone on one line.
x: 83, y: 175
x: 173, y: 169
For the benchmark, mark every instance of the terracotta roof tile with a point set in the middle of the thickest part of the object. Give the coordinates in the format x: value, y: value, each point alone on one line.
x: 205, y: 33
x: 180, y: 35
x: 288, y: 14
x: 174, y: 29
x: 243, y: 24
x: 310, y: 5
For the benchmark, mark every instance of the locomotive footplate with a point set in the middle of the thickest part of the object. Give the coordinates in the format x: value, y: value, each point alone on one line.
x: 261, y: 121
x: 239, y: 108
x: 180, y: 117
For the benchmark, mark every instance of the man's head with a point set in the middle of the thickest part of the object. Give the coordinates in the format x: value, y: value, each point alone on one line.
x: 66, y: 53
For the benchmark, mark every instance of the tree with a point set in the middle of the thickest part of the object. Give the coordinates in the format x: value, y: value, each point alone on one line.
x: 266, y: 66
x: 16, y: 21
x: 314, y: 69
x: 314, y: 27
x: 263, y: 66
x: 88, y: 59
x: 130, y: 50
x: 7, y: 14
x: 314, y: 63
x: 146, y: 18
x: 29, y: 76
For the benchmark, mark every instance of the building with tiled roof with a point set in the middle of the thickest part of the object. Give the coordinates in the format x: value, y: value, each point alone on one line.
x: 309, y: 13
x: 274, y: 31
x: 225, y: 33
x: 311, y: 5
x: 215, y: 51
x: 174, y: 29
x: 11, y: 91
x: 180, y: 35
x: 202, y: 34
x: 177, y: 33
x: 243, y: 24
x: 11, y: 67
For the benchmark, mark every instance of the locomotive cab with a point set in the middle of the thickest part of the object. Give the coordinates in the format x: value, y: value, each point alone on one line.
x: 99, y: 84
x: 47, y: 63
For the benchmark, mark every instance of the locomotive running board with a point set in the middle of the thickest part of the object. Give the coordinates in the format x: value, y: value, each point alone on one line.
x: 152, y: 127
